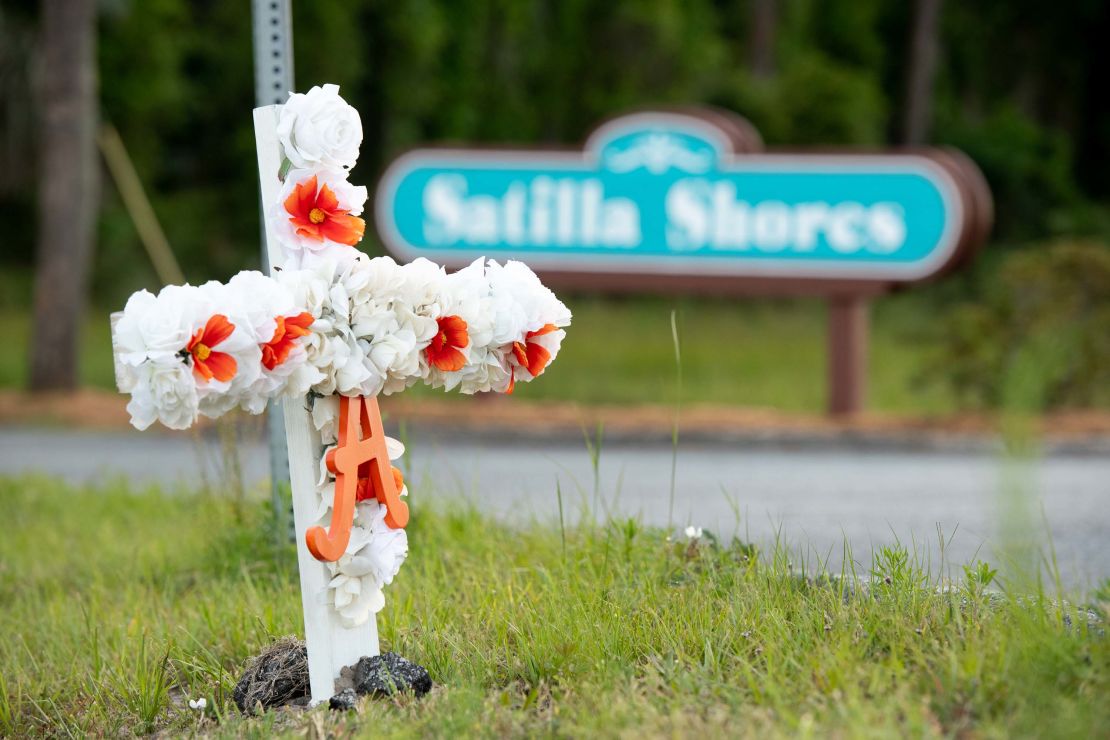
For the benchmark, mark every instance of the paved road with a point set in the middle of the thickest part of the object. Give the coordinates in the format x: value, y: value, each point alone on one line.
x: 814, y: 499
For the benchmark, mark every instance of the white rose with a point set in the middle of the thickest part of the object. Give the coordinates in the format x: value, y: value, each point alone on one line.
x: 158, y: 327
x: 320, y: 128
x: 166, y: 393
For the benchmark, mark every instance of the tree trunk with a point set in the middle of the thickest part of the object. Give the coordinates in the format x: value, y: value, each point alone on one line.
x: 921, y: 72
x: 68, y: 190
x: 761, y: 41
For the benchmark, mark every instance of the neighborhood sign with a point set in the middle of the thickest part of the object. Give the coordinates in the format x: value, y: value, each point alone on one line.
x: 687, y: 201
x: 680, y: 194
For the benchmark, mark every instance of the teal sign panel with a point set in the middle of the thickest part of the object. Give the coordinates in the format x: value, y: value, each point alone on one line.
x: 667, y: 194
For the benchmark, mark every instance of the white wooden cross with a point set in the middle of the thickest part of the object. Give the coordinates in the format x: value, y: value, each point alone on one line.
x: 166, y: 356
x: 331, y: 646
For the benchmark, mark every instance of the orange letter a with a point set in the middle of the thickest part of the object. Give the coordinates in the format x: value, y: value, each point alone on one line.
x: 357, y: 456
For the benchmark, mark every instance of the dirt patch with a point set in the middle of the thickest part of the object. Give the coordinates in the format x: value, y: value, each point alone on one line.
x: 99, y: 409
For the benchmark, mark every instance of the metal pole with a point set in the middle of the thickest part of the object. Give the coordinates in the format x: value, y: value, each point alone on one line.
x: 847, y: 354
x: 273, y: 81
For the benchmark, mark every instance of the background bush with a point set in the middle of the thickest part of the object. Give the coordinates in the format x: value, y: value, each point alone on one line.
x: 1038, y: 338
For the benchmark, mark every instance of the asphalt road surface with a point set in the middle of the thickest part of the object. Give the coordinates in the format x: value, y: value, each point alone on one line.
x: 815, y: 500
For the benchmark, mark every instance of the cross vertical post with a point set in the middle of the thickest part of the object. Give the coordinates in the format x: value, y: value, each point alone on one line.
x: 331, y: 645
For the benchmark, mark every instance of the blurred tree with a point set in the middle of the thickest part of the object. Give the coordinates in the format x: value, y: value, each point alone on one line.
x: 762, y: 39
x: 922, y: 65
x: 68, y: 192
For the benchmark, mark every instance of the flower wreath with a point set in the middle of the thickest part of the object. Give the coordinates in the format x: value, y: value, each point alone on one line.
x: 333, y: 322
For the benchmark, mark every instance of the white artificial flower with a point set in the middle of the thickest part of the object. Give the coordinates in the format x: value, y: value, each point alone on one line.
x: 355, y: 599
x: 254, y: 302
x: 157, y: 328
x: 332, y: 348
x: 374, y: 555
x: 165, y: 392
x: 385, y: 549
x: 325, y: 417
x: 219, y: 397
x: 487, y: 371
x: 423, y: 284
x: 539, y: 305
x: 319, y: 128
x: 372, y: 322
x: 395, y: 358
x: 398, y: 299
x: 309, y: 287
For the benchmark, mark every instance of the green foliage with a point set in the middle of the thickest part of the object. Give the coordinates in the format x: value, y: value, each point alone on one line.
x: 1038, y: 340
x: 119, y: 605
x: 176, y: 80
x: 1029, y: 168
x: 816, y: 101
x: 978, y: 578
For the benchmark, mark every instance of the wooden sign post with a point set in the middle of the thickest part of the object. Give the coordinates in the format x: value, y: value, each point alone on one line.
x: 331, y: 646
x: 847, y: 354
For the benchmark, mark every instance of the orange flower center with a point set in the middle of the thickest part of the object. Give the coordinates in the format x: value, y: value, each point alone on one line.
x: 316, y: 216
x: 202, y: 351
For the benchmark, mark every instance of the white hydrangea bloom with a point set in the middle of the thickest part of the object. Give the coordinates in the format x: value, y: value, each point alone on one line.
x: 519, y: 284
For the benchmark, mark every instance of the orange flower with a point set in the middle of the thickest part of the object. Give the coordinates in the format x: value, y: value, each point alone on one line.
x: 364, y: 491
x: 289, y: 328
x: 444, y: 352
x: 317, y: 215
x: 531, y: 355
x: 207, y: 363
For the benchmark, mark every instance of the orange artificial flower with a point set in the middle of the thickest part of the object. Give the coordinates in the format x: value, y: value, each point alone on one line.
x: 317, y: 215
x: 289, y: 328
x: 207, y: 363
x: 364, y: 491
x: 444, y: 351
x: 531, y: 355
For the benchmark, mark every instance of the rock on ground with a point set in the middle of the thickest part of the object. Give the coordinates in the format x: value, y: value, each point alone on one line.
x: 345, y: 700
x: 385, y: 675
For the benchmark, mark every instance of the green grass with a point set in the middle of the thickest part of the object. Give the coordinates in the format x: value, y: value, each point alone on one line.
x: 751, y: 353
x: 117, y: 605
x: 767, y: 354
